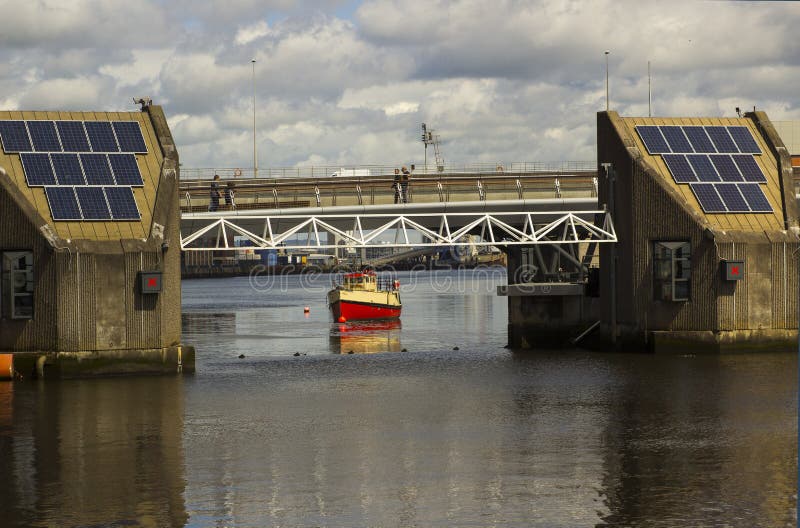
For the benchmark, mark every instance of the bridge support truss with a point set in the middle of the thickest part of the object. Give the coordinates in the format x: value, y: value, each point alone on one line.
x: 203, y: 232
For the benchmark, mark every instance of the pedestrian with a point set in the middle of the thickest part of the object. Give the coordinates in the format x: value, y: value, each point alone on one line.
x: 396, y: 186
x: 229, y: 195
x: 404, y: 185
x: 214, y: 194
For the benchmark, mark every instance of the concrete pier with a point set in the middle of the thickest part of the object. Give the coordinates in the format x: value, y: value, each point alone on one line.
x: 707, y: 225
x: 90, y: 244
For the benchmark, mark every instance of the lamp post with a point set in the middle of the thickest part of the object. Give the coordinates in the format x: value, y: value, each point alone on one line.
x: 255, y: 152
x: 649, y: 93
x: 607, y: 52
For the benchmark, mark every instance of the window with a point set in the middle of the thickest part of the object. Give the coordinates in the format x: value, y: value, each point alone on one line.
x: 672, y: 271
x: 16, y: 286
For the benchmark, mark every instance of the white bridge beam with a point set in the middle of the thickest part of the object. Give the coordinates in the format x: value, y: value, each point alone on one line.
x: 203, y: 232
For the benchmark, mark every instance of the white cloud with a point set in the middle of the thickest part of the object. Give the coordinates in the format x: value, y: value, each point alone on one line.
x: 500, y: 82
x: 145, y: 66
x: 247, y: 34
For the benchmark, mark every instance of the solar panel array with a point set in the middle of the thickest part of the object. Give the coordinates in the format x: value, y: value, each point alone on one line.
x: 717, y: 162
x: 87, y: 168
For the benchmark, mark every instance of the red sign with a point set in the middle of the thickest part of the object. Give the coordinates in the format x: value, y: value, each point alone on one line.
x: 734, y: 270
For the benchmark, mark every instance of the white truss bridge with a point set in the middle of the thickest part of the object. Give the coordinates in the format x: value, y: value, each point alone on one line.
x: 502, y: 223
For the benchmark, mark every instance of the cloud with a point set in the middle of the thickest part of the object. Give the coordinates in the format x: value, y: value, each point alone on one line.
x: 338, y: 83
x: 248, y: 34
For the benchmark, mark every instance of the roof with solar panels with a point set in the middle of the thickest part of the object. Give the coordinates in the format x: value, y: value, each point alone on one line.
x: 90, y: 175
x: 722, y: 167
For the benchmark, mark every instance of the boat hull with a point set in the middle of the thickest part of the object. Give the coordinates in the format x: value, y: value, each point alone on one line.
x: 362, y: 306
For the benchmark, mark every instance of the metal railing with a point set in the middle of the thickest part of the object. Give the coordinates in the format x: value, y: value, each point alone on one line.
x: 350, y: 171
x: 380, y: 190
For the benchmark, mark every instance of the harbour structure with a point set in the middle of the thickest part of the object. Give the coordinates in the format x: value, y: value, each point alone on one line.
x: 707, y: 241
x: 90, y: 244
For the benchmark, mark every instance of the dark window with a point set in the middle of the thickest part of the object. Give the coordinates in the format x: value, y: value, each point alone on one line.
x: 16, y: 286
x: 672, y: 271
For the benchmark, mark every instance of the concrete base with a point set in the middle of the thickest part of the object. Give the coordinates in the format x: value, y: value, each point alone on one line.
x: 547, y: 315
x: 536, y: 337
x: 724, y: 342
x: 85, y: 364
x: 693, y: 342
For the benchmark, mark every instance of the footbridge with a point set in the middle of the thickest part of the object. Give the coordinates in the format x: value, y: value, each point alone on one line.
x: 499, y: 209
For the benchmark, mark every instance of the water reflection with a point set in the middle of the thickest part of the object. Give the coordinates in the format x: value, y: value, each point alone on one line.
x: 208, y: 323
x: 368, y: 337
x: 685, y: 441
x: 92, y: 453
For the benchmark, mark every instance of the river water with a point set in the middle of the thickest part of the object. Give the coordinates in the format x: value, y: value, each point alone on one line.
x: 405, y: 431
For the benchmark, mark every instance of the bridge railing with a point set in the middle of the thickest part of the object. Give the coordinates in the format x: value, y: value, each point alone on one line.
x: 282, y: 193
x: 328, y: 171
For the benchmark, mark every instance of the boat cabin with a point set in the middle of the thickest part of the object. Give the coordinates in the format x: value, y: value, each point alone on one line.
x: 365, y: 281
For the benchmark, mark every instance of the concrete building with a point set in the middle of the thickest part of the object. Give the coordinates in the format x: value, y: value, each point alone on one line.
x: 699, y: 265
x: 89, y: 244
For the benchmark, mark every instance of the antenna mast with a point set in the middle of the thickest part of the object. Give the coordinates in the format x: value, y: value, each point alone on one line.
x: 429, y: 138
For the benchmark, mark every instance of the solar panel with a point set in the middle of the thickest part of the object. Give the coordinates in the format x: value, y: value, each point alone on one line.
x: 93, y: 203
x: 63, y: 204
x: 43, y: 136
x: 67, y: 169
x: 653, y: 140
x: 37, y: 168
x: 679, y: 168
x: 96, y: 169
x: 73, y: 136
x: 129, y: 136
x: 101, y: 136
x: 703, y: 167
x: 708, y: 197
x: 732, y: 198
x: 15, y: 136
x: 125, y: 169
x: 749, y: 168
x: 722, y: 140
x: 677, y: 141
x: 699, y: 139
x: 726, y: 168
x: 122, y: 203
x: 744, y: 139
x: 755, y: 197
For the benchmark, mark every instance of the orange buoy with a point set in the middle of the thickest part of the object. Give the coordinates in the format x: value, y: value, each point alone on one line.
x: 342, y: 319
x: 6, y: 366
x: 306, y: 309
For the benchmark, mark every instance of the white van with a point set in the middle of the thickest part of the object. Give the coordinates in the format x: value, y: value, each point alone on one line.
x: 350, y: 173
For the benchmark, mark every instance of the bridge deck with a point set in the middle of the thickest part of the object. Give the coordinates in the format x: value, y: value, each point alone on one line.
x: 285, y: 193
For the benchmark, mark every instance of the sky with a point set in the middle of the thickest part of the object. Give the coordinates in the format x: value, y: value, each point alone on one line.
x: 343, y: 83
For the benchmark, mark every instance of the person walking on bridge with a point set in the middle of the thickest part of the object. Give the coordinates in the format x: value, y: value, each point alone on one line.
x: 214, y: 194
x: 404, y: 185
x: 396, y: 186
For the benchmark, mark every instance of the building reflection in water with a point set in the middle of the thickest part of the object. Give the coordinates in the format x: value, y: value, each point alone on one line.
x: 367, y: 337
x: 92, y: 452
x: 695, y: 430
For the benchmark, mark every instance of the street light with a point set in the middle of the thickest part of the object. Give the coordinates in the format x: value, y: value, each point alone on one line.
x: 255, y: 152
x: 607, y: 52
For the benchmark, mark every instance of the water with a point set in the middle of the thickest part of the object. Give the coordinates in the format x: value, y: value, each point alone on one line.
x: 480, y: 436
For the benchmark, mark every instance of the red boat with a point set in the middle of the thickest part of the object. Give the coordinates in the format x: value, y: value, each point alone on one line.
x: 362, y: 296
